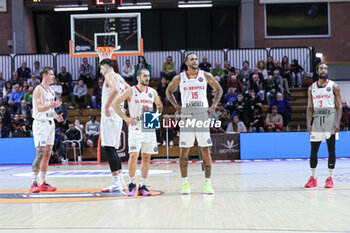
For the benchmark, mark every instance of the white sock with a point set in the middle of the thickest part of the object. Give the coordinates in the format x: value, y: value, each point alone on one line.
x: 313, y: 172
x: 330, y: 172
x: 143, y: 182
x: 116, y: 180
x: 207, y: 180
x: 34, y: 176
x: 121, y: 179
x: 132, y: 179
x: 42, y: 176
x: 184, y: 179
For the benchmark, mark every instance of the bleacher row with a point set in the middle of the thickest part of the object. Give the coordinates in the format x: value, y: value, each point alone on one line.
x: 9, y: 63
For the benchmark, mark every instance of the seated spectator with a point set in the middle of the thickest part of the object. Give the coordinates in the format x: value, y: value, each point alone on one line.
x: 256, y: 72
x: 286, y: 69
x: 56, y: 87
x: 15, y: 99
x: 344, y: 122
x: 274, y: 121
x: 2, y: 83
x: 92, y: 131
x: 240, y: 108
x: 26, y: 124
x: 257, y: 122
x: 15, y: 79
x: 141, y: 64
x: 58, y: 144
x: 271, y: 88
x: 78, y: 124
x: 296, y: 71
x: 240, y: 78
x: 33, y: 81
x: 3, y: 131
x: 23, y: 71
x: 64, y: 111
x: 229, y: 70
x: 97, y: 94
x: 36, y: 70
x: 183, y: 67
x: 225, y: 118
x: 168, y: 69
x: 80, y: 95
x: 246, y: 71
x: 66, y: 80
x: 5, y: 116
x: 261, y: 66
x: 269, y: 65
x: 24, y: 87
x: 236, y: 126
x: 85, y: 72
x: 128, y: 71
x: 257, y: 85
x: 253, y: 102
x: 17, y: 129
x: 7, y: 91
x: 283, y: 107
x: 25, y: 109
x: 74, y: 138
x: 233, y: 82
x: 28, y: 97
x: 205, y: 65
x: 230, y: 97
x: 219, y: 75
x: 162, y: 86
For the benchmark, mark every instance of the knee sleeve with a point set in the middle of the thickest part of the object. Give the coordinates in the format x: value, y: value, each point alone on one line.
x: 331, y: 151
x: 113, y: 158
x: 315, y: 146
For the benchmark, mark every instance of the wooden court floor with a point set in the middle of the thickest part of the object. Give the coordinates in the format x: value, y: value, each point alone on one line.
x: 252, y: 196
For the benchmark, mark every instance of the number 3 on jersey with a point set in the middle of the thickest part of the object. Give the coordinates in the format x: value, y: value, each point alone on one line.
x: 194, y: 95
x: 321, y: 103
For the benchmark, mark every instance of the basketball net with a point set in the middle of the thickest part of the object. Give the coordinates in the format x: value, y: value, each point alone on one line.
x: 105, y: 52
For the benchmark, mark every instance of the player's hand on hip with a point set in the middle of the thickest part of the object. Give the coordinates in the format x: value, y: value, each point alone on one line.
x: 107, y: 113
x: 178, y: 108
x: 130, y: 121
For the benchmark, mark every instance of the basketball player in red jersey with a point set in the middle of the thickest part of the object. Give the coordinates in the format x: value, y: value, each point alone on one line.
x: 324, y: 112
x: 193, y: 89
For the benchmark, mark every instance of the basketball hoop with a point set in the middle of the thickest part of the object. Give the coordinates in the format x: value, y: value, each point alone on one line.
x: 105, y: 52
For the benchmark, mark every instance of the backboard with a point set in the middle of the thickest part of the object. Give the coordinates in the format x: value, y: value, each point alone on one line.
x: 121, y: 31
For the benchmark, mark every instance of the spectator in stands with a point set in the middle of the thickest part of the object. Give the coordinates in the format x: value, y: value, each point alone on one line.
x: 25, y: 109
x: 183, y: 67
x: 162, y: 86
x: 286, y: 69
x: 344, y: 122
x: 66, y: 81
x: 262, y: 69
x: 274, y: 121
x: 78, y: 124
x: 3, y: 131
x: 241, y: 78
x: 74, y: 137
x: 257, y: 122
x: 285, y: 85
x: 85, y: 72
x: 33, y: 81
x: 92, y: 131
x: 128, y: 71
x: 7, y: 91
x: 220, y: 76
x: 2, y: 83
x: 246, y: 71
x: 62, y: 109
x: 15, y: 99
x: 24, y: 87
x: 225, y: 118
x: 236, y: 126
x: 23, y: 71
x: 141, y: 64
x: 256, y: 72
x: 80, y: 95
x: 28, y: 97
x: 58, y: 144
x: 257, y: 85
x: 16, y: 127
x: 205, y: 65
x: 15, y: 80
x: 269, y: 65
x: 229, y: 70
x: 277, y: 66
x: 5, y: 116
x: 230, y: 97
x: 56, y: 87
x: 296, y: 71
x: 168, y: 69
x: 283, y: 107
x: 240, y: 108
x: 271, y: 88
x: 97, y: 94
x: 26, y: 124
x: 36, y: 70
x: 252, y: 102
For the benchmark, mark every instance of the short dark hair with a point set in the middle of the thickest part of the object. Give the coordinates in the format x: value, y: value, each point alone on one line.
x: 107, y: 62
x: 188, y: 55
x: 140, y: 71
x: 320, y: 64
x: 45, y: 70
x: 93, y: 118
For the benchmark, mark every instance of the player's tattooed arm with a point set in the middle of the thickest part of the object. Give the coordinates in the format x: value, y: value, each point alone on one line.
x: 38, y: 97
x: 170, y: 90
x: 338, y: 104
x: 40, y: 151
x: 118, y: 101
x: 309, y: 110
x: 216, y: 86
x: 158, y: 102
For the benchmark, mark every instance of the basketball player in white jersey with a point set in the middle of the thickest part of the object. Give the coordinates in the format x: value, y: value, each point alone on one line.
x: 44, y: 129
x: 324, y: 112
x: 193, y: 89
x: 111, y: 124
x: 140, y: 99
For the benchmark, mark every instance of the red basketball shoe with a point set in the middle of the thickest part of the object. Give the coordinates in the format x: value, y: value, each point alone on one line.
x: 329, y: 183
x: 311, y: 183
x: 34, y: 188
x: 46, y: 187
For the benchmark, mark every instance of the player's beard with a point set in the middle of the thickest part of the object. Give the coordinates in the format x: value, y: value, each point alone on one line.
x: 144, y: 83
x: 194, y: 67
x: 323, y: 76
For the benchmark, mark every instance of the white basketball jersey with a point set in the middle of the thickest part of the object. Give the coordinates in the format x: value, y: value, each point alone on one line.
x: 49, y: 97
x: 106, y: 92
x: 140, y: 102
x: 193, y: 90
x: 323, y: 97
